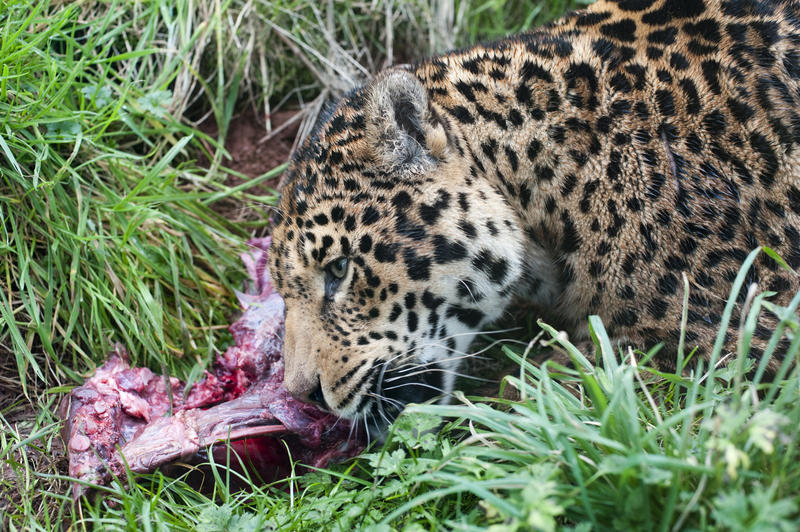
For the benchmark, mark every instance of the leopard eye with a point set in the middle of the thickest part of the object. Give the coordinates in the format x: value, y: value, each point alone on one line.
x: 337, y: 268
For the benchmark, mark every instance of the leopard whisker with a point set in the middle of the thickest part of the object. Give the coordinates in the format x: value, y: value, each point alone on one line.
x: 393, y: 402
x: 366, y: 427
x: 432, y: 370
x: 353, y: 428
x: 412, y: 364
x: 379, y: 406
x: 469, y: 291
x: 435, y: 388
x: 438, y: 342
x: 338, y: 419
x: 460, y: 354
x: 375, y: 423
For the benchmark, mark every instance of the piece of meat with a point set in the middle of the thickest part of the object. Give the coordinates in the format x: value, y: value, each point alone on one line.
x: 121, y: 414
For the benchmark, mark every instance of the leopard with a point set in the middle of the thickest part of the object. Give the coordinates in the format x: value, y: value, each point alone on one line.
x: 623, y: 162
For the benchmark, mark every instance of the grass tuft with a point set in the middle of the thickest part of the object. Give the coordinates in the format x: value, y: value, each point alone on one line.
x: 104, y: 235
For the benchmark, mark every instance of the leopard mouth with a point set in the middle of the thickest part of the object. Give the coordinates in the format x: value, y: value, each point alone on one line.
x: 395, y: 385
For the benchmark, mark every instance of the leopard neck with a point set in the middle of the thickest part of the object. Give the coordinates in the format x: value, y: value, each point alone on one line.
x: 524, y: 133
x: 509, y: 115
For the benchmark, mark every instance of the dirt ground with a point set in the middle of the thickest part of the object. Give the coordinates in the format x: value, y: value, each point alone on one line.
x: 252, y: 153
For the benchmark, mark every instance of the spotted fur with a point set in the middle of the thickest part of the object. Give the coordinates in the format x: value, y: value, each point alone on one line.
x: 585, y: 167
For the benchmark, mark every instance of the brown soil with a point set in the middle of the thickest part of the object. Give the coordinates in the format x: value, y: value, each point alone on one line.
x: 251, y: 155
x: 43, y: 454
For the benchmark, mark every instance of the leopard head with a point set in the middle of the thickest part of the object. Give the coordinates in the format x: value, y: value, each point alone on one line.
x: 389, y: 252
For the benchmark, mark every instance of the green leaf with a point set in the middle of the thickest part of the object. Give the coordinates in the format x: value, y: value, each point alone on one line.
x: 777, y: 258
x: 63, y: 130
x: 389, y: 463
x: 100, y: 96
x: 155, y: 103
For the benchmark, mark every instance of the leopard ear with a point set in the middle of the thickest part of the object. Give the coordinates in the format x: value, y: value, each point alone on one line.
x: 404, y: 134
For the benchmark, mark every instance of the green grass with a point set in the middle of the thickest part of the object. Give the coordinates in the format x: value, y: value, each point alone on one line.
x: 111, y: 232
x: 106, y: 228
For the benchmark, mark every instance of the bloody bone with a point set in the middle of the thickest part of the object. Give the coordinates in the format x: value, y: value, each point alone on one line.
x: 120, y: 415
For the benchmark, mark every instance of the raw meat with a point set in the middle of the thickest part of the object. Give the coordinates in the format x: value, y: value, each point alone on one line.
x: 121, y: 414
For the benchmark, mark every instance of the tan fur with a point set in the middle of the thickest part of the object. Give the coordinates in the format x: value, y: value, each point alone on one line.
x: 585, y: 168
